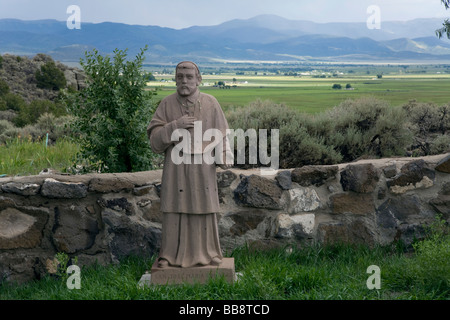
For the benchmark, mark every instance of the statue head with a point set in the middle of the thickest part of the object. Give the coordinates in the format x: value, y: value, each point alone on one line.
x: 188, y: 78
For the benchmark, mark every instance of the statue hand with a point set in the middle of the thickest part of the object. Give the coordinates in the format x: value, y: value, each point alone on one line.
x: 185, y: 122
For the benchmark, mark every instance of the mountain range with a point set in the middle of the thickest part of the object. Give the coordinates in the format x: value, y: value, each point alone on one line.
x: 262, y: 38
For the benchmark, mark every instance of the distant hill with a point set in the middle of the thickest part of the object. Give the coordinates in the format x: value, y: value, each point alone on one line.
x: 265, y: 37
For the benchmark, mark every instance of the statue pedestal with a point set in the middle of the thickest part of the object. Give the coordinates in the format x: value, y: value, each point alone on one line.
x: 200, y: 274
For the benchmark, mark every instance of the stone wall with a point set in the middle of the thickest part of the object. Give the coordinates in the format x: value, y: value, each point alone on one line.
x: 106, y: 217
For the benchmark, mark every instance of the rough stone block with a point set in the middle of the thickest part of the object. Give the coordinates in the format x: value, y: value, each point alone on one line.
x: 18, y: 267
x: 441, y: 204
x: 23, y: 189
x: 65, y: 190
x: 151, y: 210
x: 356, y: 232
x: 144, y: 190
x: 314, y: 175
x: 356, y: 203
x: 74, y: 229
x: 245, y: 221
x: 119, y: 204
x: 110, y: 184
x: 284, y: 179
x: 295, y: 226
x: 303, y: 200
x: 413, y: 175
x: 21, y: 228
x: 390, y: 171
x: 129, y: 235
x: 258, y: 192
x: 361, y: 178
x: 395, y: 211
x: 444, y: 165
x: 225, y: 178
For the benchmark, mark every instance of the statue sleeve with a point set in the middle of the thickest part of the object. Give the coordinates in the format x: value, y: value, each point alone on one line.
x: 160, y: 130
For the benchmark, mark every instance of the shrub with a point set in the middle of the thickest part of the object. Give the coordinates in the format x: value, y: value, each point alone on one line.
x: 337, y: 86
x: 444, y: 118
x: 7, y: 114
x: 29, y: 113
x: 4, y: 88
x: 297, y: 146
x: 50, y: 77
x: 112, y: 113
x: 7, y: 131
x: 424, y: 117
x: 428, y: 122
x: 56, y: 127
x: 355, y: 128
x: 2, y: 105
x: 13, y: 102
x: 370, y: 126
x: 441, y: 144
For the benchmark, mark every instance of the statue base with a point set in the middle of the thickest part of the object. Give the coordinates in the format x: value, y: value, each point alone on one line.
x: 196, y: 274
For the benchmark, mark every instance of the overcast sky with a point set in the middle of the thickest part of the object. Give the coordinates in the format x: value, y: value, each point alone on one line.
x: 185, y: 13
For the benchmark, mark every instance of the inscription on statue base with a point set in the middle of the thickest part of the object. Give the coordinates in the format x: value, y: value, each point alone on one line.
x: 200, y: 274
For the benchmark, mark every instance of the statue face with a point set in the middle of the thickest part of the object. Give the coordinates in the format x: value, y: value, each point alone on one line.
x: 187, y: 81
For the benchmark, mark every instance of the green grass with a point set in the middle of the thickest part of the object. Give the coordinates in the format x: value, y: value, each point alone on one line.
x: 316, y: 272
x: 315, y: 95
x: 24, y: 157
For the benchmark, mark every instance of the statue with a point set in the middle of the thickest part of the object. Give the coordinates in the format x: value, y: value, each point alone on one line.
x: 189, y: 194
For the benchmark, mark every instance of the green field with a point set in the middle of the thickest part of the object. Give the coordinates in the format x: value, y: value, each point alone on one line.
x: 312, y: 95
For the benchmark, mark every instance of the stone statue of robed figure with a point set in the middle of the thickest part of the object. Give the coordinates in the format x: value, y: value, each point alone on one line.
x: 189, y: 196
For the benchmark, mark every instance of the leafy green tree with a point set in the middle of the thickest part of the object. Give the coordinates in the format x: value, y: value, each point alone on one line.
x: 337, y: 86
x: 112, y: 113
x: 446, y: 25
x: 49, y: 76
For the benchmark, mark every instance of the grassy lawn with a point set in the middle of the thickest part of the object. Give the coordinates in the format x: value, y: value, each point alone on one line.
x: 316, y: 272
x: 313, y: 95
x: 23, y: 157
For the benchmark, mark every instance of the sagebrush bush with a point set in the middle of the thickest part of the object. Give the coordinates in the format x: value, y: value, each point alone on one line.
x: 7, y: 131
x: 9, y: 115
x: 428, y: 122
x: 368, y: 127
x: 356, y: 128
x: 424, y: 117
x: 56, y: 127
x: 296, y: 145
x: 440, y: 144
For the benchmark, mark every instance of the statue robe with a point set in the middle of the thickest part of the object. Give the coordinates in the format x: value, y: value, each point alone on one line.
x: 189, y: 196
